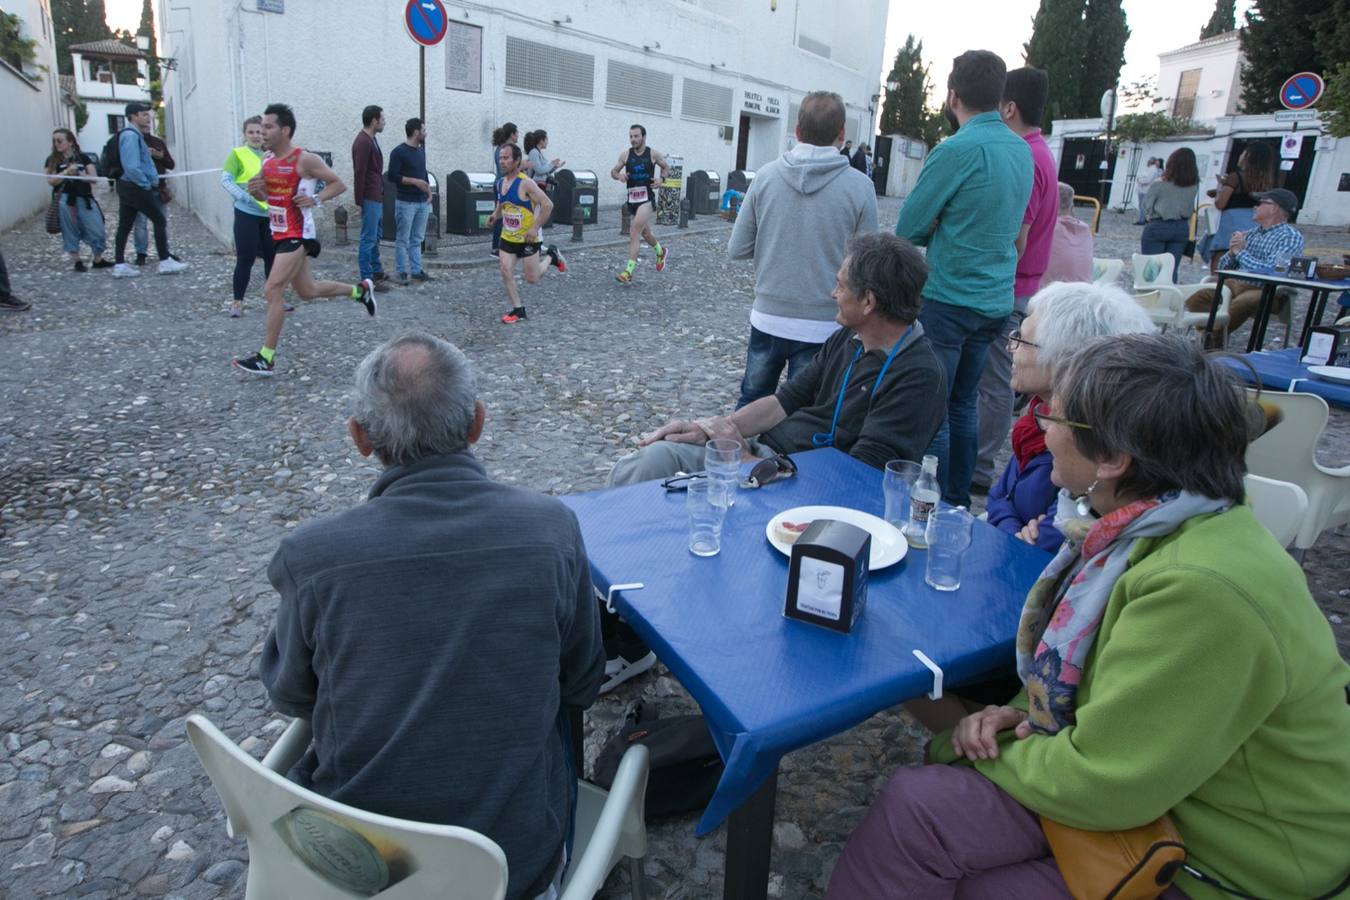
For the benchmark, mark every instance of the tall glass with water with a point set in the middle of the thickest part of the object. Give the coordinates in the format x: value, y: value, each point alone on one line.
x: 705, y: 502
x: 896, y: 484
x: 722, y: 462
x: 948, y: 535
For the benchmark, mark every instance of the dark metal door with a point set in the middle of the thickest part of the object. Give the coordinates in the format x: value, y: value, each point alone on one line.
x: 742, y: 142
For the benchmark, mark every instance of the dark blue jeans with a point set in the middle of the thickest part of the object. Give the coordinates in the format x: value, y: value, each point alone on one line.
x: 765, y: 357
x: 372, y: 229
x: 960, y: 337
x: 1166, y: 236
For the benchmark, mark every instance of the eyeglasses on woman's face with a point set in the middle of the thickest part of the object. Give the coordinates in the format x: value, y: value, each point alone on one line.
x: 1044, y: 418
x: 1016, y: 340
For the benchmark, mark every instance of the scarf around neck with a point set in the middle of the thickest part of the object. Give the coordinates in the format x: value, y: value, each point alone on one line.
x: 1066, y: 605
x: 1028, y: 441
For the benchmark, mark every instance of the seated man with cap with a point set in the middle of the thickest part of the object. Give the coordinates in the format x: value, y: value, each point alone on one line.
x: 1273, y: 240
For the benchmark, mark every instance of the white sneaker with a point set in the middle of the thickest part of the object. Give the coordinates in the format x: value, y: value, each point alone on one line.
x: 170, y: 266
x: 616, y: 675
x: 122, y: 270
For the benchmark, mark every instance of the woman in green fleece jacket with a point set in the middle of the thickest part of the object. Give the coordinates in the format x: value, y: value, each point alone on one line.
x: 1172, y: 658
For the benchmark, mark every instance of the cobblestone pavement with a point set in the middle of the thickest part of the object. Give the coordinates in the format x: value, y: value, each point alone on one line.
x: 144, y: 485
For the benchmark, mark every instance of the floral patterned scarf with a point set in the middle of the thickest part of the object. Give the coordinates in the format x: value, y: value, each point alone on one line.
x: 1065, y: 606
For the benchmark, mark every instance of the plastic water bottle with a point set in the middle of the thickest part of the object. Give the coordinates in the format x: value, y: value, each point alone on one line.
x: 923, y: 499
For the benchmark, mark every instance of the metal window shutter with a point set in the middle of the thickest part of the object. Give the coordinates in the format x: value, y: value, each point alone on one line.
x: 701, y: 100
x: 541, y: 69
x: 811, y: 45
x: 634, y: 87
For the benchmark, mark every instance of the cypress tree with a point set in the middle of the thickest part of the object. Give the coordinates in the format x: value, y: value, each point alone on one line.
x: 1058, y: 45
x: 905, y: 110
x: 1105, y: 33
x: 76, y: 22
x: 1278, y: 41
x: 1222, y: 20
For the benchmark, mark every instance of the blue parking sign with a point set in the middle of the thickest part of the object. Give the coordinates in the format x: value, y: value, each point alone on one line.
x: 1302, y: 90
x: 426, y: 21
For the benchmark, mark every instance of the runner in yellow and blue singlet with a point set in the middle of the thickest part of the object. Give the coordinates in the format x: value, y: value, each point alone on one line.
x: 523, y: 208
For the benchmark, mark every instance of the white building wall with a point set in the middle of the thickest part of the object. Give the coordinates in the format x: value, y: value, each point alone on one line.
x: 233, y: 60
x: 1220, y: 62
x: 33, y: 108
x: 102, y: 99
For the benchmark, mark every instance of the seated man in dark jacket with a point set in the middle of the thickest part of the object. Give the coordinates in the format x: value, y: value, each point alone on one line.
x: 875, y: 390
x: 435, y: 633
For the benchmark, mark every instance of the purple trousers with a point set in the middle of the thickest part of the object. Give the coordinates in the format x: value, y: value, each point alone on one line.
x: 944, y: 832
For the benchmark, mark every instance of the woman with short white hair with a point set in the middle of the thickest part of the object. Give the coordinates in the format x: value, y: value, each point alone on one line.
x: 1060, y: 319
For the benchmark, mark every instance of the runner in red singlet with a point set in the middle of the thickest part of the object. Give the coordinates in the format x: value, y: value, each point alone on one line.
x: 287, y: 182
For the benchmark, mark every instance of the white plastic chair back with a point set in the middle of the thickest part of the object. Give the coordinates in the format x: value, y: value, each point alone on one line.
x: 295, y: 834
x: 1159, y: 304
x: 1287, y: 453
x: 1279, y: 505
x: 1106, y: 271
x: 610, y: 826
x: 1153, y: 270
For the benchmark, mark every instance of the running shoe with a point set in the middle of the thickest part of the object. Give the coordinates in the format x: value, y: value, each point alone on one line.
x: 122, y: 270
x: 286, y: 307
x: 14, y: 304
x: 514, y: 316
x: 171, y: 266
x: 236, y: 310
x: 556, y: 259
x: 620, y: 669
x: 367, y: 298
x: 624, y: 277
x: 661, y: 258
x: 254, y: 365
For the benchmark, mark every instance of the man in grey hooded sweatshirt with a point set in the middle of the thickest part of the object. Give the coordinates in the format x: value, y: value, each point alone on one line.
x: 798, y: 215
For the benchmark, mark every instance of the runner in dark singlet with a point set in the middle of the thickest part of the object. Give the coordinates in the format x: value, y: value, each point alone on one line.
x: 636, y: 168
x: 287, y: 182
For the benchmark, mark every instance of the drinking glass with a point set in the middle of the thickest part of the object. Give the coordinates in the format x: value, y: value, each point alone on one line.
x: 705, y: 501
x: 896, y: 484
x: 722, y: 462
x: 948, y: 537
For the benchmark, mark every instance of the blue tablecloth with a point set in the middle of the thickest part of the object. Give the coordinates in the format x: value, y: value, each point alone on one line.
x: 769, y: 685
x: 1280, y: 370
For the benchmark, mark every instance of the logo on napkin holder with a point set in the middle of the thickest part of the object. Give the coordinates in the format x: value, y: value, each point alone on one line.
x: 827, y: 575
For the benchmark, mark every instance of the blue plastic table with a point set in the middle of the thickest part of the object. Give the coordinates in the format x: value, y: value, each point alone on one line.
x: 1280, y: 370
x: 768, y: 685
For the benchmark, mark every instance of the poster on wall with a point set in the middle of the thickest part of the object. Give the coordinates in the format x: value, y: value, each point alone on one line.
x: 464, y: 57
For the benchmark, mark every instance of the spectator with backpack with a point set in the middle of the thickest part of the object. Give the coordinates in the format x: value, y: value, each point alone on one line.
x: 79, y: 214
x: 130, y: 163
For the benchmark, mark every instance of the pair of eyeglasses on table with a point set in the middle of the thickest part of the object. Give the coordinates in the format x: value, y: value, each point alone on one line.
x: 764, y: 472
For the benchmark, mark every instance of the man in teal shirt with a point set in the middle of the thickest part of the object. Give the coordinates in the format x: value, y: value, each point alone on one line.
x: 967, y: 209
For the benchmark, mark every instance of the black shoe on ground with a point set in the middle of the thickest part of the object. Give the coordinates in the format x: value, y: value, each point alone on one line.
x: 101, y: 264
x: 254, y: 365
x: 619, y: 669
x: 140, y: 259
x: 380, y: 277
x: 14, y: 304
x: 422, y: 276
x: 367, y: 298
x: 79, y: 266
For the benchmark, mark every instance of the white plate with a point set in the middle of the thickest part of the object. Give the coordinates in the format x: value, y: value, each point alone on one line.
x: 888, y: 544
x: 1338, y: 374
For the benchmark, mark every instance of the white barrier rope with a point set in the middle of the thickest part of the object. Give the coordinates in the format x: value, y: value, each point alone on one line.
x: 97, y: 178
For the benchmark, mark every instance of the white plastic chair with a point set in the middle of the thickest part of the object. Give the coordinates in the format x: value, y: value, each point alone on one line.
x: 1278, y: 505
x: 422, y: 860
x: 1198, y: 320
x: 1287, y: 453
x: 1153, y: 272
x: 1106, y: 271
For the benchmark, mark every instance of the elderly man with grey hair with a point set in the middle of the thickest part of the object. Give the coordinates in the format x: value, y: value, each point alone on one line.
x: 1070, y: 245
x: 436, y: 633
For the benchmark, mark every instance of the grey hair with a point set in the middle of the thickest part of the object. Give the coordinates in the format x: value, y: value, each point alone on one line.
x: 415, y: 397
x: 1065, y: 197
x: 891, y: 268
x: 1179, y: 414
x: 1069, y: 313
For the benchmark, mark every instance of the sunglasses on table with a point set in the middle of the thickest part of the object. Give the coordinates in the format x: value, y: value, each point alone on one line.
x: 764, y: 472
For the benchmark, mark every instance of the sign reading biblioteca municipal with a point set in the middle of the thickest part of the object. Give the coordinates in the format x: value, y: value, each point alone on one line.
x: 761, y: 103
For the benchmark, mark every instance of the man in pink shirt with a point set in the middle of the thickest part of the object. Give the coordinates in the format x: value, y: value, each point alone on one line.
x: 1071, y: 248
x: 1022, y: 108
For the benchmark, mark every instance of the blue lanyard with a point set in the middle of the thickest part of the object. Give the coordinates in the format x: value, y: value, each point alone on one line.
x: 821, y: 439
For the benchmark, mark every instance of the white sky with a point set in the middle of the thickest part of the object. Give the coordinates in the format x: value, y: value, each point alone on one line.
x: 952, y: 27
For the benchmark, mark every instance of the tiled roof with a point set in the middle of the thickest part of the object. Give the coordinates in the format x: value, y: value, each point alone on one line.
x: 108, y: 49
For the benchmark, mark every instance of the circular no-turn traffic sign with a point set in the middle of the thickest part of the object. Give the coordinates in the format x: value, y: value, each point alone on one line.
x: 426, y: 21
x: 1302, y: 90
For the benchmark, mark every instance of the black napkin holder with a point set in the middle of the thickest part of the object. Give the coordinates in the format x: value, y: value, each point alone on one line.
x: 827, y: 575
x: 1303, y: 267
x: 1328, y: 345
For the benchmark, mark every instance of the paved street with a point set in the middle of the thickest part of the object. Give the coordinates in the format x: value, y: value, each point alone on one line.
x: 144, y: 486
